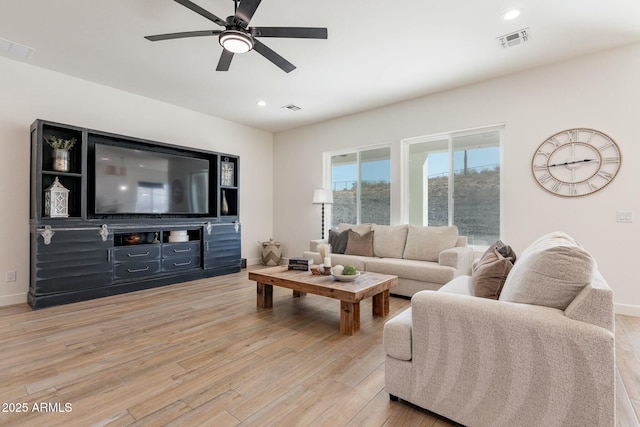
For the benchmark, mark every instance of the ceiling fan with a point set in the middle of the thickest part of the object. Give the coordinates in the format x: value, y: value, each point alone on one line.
x: 238, y: 37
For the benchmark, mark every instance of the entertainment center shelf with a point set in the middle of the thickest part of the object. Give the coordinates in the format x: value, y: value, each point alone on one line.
x: 130, y: 214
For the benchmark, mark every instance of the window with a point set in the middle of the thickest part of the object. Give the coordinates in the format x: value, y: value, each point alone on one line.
x: 455, y: 179
x: 361, y: 184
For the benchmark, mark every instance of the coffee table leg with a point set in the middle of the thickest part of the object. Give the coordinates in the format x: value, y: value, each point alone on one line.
x: 349, y: 317
x: 298, y: 294
x: 265, y: 295
x: 380, y: 304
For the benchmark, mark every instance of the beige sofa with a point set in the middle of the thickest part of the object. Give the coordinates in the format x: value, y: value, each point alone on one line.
x: 421, y: 257
x: 540, y: 355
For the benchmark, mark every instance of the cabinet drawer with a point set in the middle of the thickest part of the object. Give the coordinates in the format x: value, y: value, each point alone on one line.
x: 180, y: 263
x: 183, y: 249
x: 136, y: 253
x: 127, y: 270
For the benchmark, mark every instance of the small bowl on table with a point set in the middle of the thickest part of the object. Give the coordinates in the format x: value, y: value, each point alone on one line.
x: 346, y: 277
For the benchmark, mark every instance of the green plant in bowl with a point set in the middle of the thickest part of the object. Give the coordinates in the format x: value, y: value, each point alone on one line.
x: 349, y: 270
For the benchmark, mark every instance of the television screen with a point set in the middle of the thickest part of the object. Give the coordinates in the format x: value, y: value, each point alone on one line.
x: 131, y: 181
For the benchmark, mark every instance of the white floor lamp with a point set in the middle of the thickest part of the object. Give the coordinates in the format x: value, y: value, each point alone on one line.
x: 322, y: 196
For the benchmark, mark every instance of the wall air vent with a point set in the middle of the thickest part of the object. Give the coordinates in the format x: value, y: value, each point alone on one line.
x: 15, y: 49
x: 514, y: 39
x: 291, y: 107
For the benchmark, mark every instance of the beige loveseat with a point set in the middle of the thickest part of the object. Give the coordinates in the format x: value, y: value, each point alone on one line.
x: 421, y: 257
x: 540, y: 355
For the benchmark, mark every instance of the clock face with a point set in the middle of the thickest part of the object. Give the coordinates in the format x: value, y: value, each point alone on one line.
x: 576, y: 162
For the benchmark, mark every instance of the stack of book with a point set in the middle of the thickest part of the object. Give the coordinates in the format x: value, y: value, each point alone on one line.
x: 301, y: 264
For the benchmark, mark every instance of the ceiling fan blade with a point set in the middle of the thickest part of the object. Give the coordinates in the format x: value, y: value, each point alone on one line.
x: 265, y: 51
x: 245, y: 11
x: 169, y: 36
x: 290, y: 32
x: 200, y: 11
x: 225, y: 60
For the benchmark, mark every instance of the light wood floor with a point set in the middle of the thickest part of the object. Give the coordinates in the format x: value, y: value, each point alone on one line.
x: 201, y: 353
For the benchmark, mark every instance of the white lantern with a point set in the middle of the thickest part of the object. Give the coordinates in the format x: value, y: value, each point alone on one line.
x: 56, y: 201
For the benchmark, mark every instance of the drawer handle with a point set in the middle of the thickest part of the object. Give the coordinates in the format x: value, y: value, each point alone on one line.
x: 177, y: 251
x: 181, y: 264
x: 137, y: 255
x: 138, y: 270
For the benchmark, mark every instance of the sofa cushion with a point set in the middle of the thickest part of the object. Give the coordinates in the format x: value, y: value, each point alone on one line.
x: 338, y: 241
x: 358, y: 228
x: 359, y: 244
x: 359, y: 262
x: 426, y: 243
x: 550, y: 272
x: 412, y: 269
x: 490, y: 273
x: 389, y: 240
x: 460, y: 285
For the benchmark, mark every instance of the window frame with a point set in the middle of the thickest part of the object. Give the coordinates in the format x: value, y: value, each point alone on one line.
x: 327, y: 175
x: 449, y: 136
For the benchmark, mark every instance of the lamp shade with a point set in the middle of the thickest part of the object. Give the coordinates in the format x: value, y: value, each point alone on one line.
x: 321, y: 195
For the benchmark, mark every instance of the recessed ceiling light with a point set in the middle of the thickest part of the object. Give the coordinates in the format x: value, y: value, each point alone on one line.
x: 512, y: 14
x: 262, y: 103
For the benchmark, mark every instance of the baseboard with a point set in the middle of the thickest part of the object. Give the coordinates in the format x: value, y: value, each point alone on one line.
x: 14, y: 299
x: 254, y: 261
x: 627, y: 309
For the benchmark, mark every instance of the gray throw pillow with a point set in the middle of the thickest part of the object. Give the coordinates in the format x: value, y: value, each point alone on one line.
x: 505, y: 250
x: 338, y: 241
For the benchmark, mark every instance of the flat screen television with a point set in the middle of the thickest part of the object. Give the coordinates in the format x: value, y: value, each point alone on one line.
x: 132, y: 181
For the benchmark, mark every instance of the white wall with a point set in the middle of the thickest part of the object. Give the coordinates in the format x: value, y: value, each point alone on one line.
x: 599, y: 91
x: 28, y: 93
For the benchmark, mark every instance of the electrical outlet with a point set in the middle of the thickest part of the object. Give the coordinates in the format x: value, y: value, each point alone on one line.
x: 624, y: 216
x: 11, y: 276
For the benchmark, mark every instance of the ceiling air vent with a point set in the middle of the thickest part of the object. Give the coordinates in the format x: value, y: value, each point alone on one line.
x: 15, y: 49
x: 291, y: 107
x: 514, y: 39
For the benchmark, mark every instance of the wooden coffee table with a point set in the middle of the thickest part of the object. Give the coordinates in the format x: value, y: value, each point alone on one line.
x: 349, y: 293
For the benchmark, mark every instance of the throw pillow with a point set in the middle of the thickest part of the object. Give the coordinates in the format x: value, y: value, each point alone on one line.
x: 390, y: 240
x: 550, y: 272
x: 360, y: 244
x: 426, y: 243
x: 338, y: 241
x: 504, y: 250
x: 490, y: 273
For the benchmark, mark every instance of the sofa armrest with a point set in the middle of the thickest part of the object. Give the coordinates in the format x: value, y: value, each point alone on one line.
x: 396, y: 337
x: 488, y: 362
x: 460, y: 258
x: 313, y: 244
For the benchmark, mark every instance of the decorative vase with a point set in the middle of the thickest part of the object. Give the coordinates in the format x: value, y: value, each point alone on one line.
x: 271, y: 253
x: 60, y: 160
x: 225, y: 204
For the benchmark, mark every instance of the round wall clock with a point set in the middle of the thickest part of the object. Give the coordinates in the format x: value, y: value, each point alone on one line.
x: 576, y: 162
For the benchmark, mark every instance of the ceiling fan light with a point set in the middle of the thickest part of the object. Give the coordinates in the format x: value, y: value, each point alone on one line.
x: 236, y: 41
